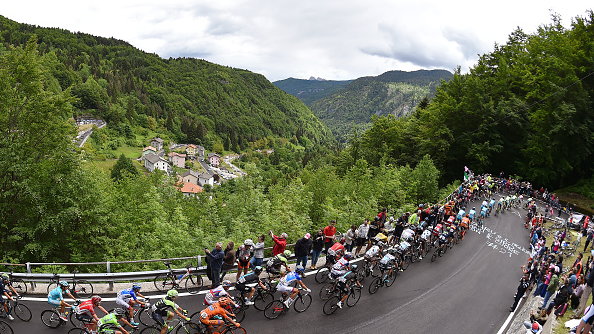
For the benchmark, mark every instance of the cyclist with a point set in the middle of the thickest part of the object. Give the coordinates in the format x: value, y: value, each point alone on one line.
x: 85, y: 312
x: 127, y: 298
x: 491, y: 205
x: 56, y: 298
x: 464, y: 225
x: 335, y: 251
x: 285, y: 284
x: 484, y: 213
x: 461, y: 214
x: 5, y: 290
x: 215, y: 294
x: 111, y: 320
x: 213, y: 314
x: 249, y: 278
x: 388, y: 261
x: 471, y: 214
x: 341, y: 266
x: 273, y: 266
x: 344, y: 283
x: 162, y: 310
x: 373, y: 255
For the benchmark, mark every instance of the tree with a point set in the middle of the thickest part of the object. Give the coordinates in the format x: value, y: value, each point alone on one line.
x: 123, y: 168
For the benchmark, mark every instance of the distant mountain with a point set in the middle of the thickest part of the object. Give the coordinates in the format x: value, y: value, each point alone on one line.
x: 395, y: 92
x: 309, y: 91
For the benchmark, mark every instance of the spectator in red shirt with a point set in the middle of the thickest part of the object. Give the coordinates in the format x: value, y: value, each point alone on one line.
x: 329, y: 233
x: 280, y: 243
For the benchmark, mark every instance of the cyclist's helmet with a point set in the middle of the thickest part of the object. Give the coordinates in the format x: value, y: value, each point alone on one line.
x: 348, y: 256
x: 381, y: 236
x: 172, y: 293
x: 299, y: 269
x: 119, y: 312
x: 5, y: 277
x: 64, y: 284
x: 258, y: 270
x: 96, y: 299
x: 248, y: 242
x: 354, y: 267
x: 381, y: 244
x: 226, y: 284
x: 287, y: 253
x: 392, y: 251
x: 136, y: 286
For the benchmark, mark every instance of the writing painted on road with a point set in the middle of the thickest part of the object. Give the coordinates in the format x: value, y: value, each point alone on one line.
x: 498, y: 242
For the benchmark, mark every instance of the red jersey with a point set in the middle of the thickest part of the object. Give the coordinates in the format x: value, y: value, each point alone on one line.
x: 337, y: 247
x: 86, y: 307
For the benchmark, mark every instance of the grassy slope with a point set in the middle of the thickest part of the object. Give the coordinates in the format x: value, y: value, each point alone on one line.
x: 581, y: 195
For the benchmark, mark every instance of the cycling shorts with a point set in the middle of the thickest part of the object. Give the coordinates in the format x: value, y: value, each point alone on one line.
x: 589, y: 316
x: 158, y: 317
x: 273, y: 270
x: 54, y: 302
x: 242, y: 287
x: 283, y: 288
x: 84, y: 317
x: 243, y: 265
x: 123, y: 303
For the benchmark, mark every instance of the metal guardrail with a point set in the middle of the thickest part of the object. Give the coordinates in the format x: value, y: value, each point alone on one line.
x: 111, y: 277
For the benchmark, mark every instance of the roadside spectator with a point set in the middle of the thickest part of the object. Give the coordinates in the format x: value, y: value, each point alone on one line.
x: 244, y: 255
x: 280, y: 243
x: 553, y: 285
x: 317, y: 247
x: 561, y: 298
x: 329, y: 234
x: 522, y: 287
x: 228, y: 259
x: 589, y: 238
x: 587, y: 290
x: 577, y: 292
x: 349, y: 240
x: 362, y: 235
x: 302, y: 249
x: 258, y: 257
x: 577, y: 265
x: 215, y: 263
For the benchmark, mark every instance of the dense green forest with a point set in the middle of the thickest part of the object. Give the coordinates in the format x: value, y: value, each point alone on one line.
x: 349, y: 110
x: 309, y: 91
x: 196, y: 101
x: 526, y: 108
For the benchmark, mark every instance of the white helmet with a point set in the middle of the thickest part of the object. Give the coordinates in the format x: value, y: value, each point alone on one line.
x: 248, y: 242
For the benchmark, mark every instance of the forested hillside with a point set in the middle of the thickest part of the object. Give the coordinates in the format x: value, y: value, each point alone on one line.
x: 309, y: 91
x: 197, y: 101
x: 393, y: 93
x: 526, y: 108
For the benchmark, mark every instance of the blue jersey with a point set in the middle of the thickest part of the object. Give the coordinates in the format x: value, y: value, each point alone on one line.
x: 471, y: 214
x: 127, y: 294
x: 290, y: 278
x: 56, y: 294
x: 492, y: 203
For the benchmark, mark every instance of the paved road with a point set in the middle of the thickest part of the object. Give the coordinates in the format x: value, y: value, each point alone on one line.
x: 469, y: 290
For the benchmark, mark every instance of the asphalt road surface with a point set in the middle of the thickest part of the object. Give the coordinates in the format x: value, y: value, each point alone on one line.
x: 469, y: 290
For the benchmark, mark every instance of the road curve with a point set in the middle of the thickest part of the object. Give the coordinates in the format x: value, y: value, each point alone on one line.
x: 469, y: 290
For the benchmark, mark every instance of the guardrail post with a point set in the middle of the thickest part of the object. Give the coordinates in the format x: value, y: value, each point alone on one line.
x: 199, y: 261
x: 109, y: 271
x: 28, y: 272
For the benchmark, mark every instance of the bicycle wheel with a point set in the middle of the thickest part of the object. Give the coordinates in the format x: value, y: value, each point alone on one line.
x: 144, y: 317
x: 327, y: 291
x: 83, y: 289
x: 302, y: 303
x: 150, y: 330
x: 19, y: 285
x: 434, y: 256
x: 51, y: 319
x: 163, y: 282
x: 75, y: 322
x: 5, y: 328
x: 263, y: 299
x: 330, y: 305
x: 188, y: 328
x: 322, y: 275
x: 353, y: 297
x: 375, y: 285
x: 78, y: 331
x: 274, y: 309
x: 22, y: 312
x: 52, y: 285
x: 239, y: 313
x: 405, y: 262
x: 194, y: 283
x: 390, y: 278
x: 234, y: 330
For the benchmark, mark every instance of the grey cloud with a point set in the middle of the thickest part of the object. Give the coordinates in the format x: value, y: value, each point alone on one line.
x: 468, y: 42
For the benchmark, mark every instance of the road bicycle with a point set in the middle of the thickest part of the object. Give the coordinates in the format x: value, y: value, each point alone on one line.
x: 78, y: 288
x: 15, y: 307
x: 261, y: 298
x: 51, y: 318
x: 5, y: 328
x: 108, y: 327
x: 331, y: 304
x: 169, y: 280
x: 277, y: 307
x: 439, y: 252
x: 18, y: 284
x: 175, y: 326
x: 386, y: 279
x: 226, y: 328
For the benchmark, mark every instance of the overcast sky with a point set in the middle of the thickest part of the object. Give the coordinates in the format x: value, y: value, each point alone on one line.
x: 343, y: 39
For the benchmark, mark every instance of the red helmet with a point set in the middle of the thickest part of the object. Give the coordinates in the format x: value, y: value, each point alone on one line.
x: 96, y: 299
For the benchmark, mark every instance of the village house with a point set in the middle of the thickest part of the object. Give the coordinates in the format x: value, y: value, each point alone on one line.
x: 153, y: 161
x: 191, y: 177
x: 214, y: 159
x: 206, y: 178
x: 191, y: 150
x: 190, y: 189
x: 149, y: 150
x: 177, y: 159
x: 157, y: 143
